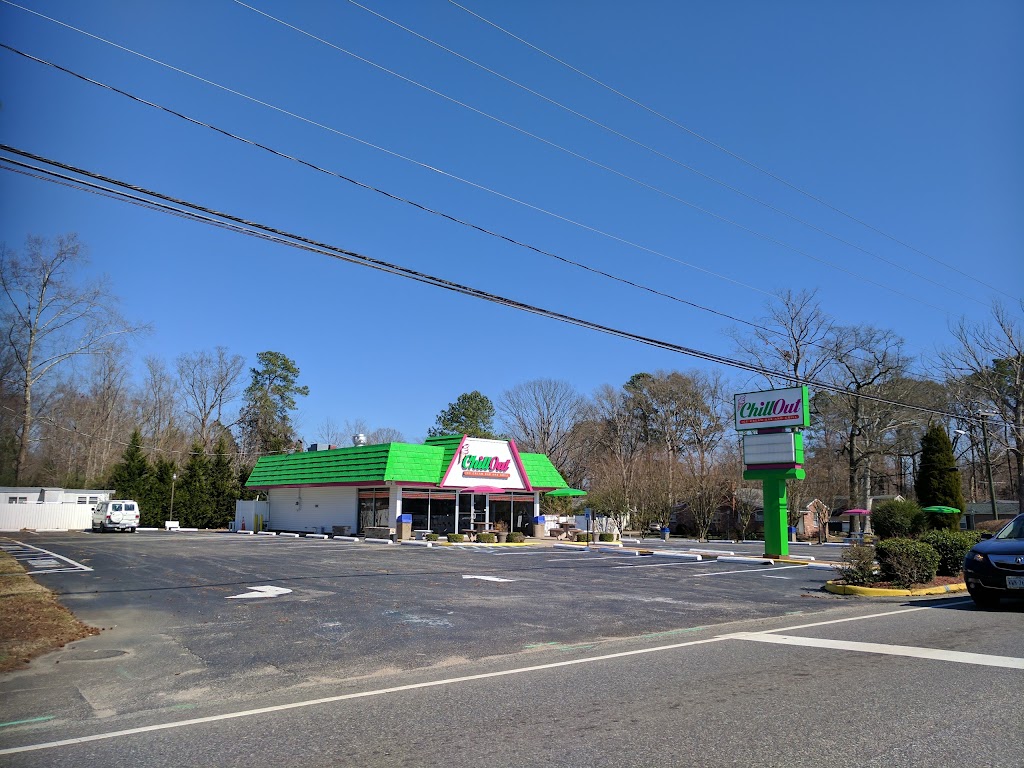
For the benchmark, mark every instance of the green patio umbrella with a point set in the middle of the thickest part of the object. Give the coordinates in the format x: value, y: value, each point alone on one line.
x: 941, y: 510
x: 560, y: 492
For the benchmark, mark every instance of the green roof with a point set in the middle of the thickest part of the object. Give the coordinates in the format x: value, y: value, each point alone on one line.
x: 400, y: 462
x: 541, y: 471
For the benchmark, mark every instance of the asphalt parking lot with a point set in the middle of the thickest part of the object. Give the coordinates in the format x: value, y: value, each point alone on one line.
x: 202, y: 625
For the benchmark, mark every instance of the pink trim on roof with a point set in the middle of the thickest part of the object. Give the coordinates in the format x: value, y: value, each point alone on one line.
x: 455, y: 458
x: 783, y: 465
x: 519, y: 465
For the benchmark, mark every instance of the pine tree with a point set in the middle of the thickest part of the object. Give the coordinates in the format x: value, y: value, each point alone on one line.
x: 130, y: 476
x: 938, y: 482
x: 193, y: 504
x: 155, y: 500
x: 223, y: 485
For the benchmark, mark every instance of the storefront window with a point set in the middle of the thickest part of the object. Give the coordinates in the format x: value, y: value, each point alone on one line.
x: 374, y: 507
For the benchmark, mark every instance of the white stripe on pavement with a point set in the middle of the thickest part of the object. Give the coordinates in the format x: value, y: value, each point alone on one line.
x: 936, y: 654
x: 415, y: 686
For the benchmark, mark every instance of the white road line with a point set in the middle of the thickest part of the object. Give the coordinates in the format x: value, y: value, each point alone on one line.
x: 752, y: 570
x: 767, y: 576
x: 936, y: 654
x: 487, y: 578
x: 411, y: 687
x: 33, y: 549
x: 883, y: 614
x: 666, y: 565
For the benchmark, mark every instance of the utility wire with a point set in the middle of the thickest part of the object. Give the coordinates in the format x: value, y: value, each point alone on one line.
x: 652, y: 150
x: 755, y: 233
x: 397, y: 198
x: 734, y: 155
x: 207, y: 215
x: 622, y: 174
x: 399, y: 156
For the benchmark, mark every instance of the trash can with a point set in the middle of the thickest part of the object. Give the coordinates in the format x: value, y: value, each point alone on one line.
x: 665, y: 532
x: 792, y: 533
x: 539, y: 531
x: 403, y: 528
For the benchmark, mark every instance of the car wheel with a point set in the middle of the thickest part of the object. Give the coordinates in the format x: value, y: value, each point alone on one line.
x: 984, y: 599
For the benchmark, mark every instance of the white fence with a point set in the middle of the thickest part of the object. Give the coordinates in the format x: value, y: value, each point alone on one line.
x: 45, y: 517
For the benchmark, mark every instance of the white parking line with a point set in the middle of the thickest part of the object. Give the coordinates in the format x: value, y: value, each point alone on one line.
x: 414, y: 686
x: 666, y: 565
x: 30, y: 554
x: 935, y: 654
x: 752, y: 570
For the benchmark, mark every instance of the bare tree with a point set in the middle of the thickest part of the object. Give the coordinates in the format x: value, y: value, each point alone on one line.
x: 987, y: 369
x: 795, y: 338
x: 52, y: 317
x: 619, y: 434
x: 544, y: 416
x: 384, y: 435
x: 210, y: 381
x: 869, y: 363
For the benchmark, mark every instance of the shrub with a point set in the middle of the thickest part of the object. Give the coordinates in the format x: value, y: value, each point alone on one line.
x: 516, y: 537
x: 455, y: 538
x: 584, y: 537
x: 486, y: 538
x: 905, y: 561
x: 432, y: 537
x: 897, y: 519
x: 952, y: 547
x: 606, y: 537
x: 858, y: 565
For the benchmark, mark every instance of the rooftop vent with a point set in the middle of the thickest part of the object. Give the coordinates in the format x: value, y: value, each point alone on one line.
x: 359, y: 439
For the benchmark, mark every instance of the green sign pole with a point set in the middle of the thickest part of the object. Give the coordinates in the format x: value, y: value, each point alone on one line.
x: 776, y: 516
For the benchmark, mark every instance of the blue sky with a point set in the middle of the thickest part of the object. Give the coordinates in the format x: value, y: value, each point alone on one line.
x: 906, y: 115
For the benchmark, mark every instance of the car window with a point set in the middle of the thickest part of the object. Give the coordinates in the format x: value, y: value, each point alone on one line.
x: 1015, y: 530
x: 129, y: 507
x: 116, y: 507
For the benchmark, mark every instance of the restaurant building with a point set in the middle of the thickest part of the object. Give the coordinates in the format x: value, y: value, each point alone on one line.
x: 448, y: 484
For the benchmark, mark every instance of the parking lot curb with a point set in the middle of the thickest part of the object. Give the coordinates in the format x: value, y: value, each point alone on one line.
x: 850, y: 589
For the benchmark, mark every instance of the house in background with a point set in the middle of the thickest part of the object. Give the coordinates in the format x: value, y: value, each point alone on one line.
x: 48, y: 509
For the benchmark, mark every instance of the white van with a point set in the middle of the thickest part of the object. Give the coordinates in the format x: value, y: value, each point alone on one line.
x: 115, y: 515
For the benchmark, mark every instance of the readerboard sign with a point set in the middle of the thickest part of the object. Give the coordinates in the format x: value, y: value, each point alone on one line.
x: 773, y: 408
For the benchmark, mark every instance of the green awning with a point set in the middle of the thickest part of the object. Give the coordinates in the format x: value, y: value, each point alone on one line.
x: 559, y: 492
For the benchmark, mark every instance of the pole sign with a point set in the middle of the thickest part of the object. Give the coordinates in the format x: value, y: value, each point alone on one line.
x: 773, y: 408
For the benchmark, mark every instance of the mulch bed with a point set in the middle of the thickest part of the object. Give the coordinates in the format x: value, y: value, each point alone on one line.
x: 938, y: 581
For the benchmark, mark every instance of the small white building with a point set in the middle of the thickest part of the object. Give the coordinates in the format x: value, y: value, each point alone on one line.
x: 48, y: 509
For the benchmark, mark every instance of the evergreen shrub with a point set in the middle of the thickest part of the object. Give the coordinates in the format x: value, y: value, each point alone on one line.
x: 858, y: 565
x: 584, y: 537
x: 952, y: 547
x: 486, y: 538
x: 606, y: 537
x: 897, y: 519
x: 455, y: 538
x: 905, y: 561
x: 432, y: 537
x: 516, y: 537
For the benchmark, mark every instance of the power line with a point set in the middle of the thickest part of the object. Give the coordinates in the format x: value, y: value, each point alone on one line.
x: 622, y: 174
x: 454, y: 177
x: 397, y: 198
x: 647, y: 147
x: 406, y: 158
x: 207, y: 215
x: 734, y: 155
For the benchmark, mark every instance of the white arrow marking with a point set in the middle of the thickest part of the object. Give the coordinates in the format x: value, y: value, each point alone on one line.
x: 262, y: 592
x: 487, y: 578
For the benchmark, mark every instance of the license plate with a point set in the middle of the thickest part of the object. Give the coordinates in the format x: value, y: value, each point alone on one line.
x: 1015, y: 582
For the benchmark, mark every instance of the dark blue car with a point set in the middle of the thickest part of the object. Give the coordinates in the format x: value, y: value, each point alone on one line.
x: 994, y: 567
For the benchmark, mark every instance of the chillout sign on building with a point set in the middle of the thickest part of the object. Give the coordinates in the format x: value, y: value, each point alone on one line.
x: 490, y: 462
x: 773, y: 408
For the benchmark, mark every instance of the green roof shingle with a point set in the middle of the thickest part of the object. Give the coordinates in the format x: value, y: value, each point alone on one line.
x: 399, y: 462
